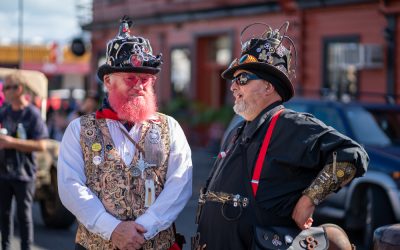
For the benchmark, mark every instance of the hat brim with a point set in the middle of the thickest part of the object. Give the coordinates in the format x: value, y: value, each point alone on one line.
x: 256, y: 66
x: 107, y: 69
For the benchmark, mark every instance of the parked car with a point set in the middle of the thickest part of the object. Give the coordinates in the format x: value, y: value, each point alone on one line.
x: 388, y: 118
x: 54, y: 214
x: 373, y: 200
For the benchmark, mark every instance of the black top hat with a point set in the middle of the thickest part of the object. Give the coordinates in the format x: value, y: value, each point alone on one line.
x: 268, y: 58
x: 126, y: 53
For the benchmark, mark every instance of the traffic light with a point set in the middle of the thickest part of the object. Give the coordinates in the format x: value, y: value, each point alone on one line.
x: 78, y: 47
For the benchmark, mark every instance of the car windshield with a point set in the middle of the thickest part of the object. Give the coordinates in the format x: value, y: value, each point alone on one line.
x: 365, y: 128
x: 389, y: 121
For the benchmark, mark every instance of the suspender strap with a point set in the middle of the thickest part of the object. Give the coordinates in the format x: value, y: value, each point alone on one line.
x: 263, y: 152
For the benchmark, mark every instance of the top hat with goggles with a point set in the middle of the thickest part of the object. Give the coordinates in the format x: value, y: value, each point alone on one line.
x: 268, y: 58
x: 126, y: 53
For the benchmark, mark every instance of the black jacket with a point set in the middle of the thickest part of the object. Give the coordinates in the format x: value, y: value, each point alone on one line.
x: 300, y: 147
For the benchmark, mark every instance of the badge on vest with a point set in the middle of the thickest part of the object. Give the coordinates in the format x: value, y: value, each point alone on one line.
x: 96, y: 147
x: 154, y: 135
x: 96, y: 160
x: 154, y: 147
x: 150, y: 192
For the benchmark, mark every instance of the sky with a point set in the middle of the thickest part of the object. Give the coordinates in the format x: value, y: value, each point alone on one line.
x: 43, y: 21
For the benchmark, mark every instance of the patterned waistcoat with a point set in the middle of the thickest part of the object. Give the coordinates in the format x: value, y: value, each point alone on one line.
x: 121, y: 187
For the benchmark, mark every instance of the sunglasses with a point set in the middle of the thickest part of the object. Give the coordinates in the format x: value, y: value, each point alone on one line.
x: 13, y: 87
x: 243, y: 78
x: 134, y: 79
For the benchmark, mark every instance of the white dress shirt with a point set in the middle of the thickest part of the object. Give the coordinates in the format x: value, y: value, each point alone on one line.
x: 87, y: 207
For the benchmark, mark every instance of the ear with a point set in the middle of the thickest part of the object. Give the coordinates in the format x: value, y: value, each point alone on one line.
x: 269, y: 88
x: 106, y: 80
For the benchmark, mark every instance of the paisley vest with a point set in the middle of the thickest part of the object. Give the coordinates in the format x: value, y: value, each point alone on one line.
x: 121, y: 187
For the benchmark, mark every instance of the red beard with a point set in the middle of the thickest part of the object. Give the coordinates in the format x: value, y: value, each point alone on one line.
x: 133, y: 109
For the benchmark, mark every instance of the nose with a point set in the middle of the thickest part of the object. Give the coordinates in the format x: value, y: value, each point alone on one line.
x: 234, y: 86
x: 139, y: 85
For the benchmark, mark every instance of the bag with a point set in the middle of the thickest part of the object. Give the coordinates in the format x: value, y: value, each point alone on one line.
x: 180, y: 240
x: 290, y: 238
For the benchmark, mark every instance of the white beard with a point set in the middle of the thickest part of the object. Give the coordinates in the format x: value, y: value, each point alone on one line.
x: 240, y: 107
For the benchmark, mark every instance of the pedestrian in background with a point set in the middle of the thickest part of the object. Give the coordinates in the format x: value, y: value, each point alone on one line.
x: 1, y: 94
x: 24, y: 132
x: 278, y: 164
x: 125, y: 171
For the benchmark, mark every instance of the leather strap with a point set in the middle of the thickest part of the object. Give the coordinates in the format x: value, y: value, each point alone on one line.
x: 133, y: 141
x: 261, y: 157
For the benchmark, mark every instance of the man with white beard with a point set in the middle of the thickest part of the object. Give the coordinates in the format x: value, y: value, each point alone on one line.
x: 125, y: 171
x: 278, y: 164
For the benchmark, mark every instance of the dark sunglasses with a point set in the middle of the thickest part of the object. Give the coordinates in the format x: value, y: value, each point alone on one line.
x: 243, y: 78
x: 14, y: 87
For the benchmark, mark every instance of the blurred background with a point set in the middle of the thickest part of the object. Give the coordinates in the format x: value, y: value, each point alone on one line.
x: 348, y: 52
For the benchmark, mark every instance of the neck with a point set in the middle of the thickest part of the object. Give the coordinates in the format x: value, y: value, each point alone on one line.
x: 267, y: 103
x: 19, y: 103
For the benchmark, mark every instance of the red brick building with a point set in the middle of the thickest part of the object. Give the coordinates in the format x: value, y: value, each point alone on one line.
x: 347, y: 46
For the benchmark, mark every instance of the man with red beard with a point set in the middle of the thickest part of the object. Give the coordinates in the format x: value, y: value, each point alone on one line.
x: 125, y: 172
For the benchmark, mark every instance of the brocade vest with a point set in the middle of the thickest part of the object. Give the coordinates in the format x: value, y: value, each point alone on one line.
x: 121, y: 187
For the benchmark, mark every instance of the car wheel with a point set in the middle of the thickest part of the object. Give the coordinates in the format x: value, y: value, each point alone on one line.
x: 54, y: 214
x: 378, y: 212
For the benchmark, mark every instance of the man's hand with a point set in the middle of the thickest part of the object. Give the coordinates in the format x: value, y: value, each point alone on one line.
x: 303, y: 211
x: 128, y: 235
x: 6, y: 141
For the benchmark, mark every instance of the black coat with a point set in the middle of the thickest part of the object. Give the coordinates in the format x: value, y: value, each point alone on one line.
x: 300, y: 147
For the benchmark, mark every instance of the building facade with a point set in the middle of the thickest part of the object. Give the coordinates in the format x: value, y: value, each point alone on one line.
x: 345, y: 48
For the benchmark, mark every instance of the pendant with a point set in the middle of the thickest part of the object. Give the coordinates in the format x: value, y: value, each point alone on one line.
x: 136, y: 172
x: 141, y: 167
x: 150, y: 192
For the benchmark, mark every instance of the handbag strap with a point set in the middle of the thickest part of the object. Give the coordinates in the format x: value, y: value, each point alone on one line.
x: 264, y: 148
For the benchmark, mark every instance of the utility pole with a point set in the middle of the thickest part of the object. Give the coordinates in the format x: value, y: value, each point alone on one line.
x: 20, y: 33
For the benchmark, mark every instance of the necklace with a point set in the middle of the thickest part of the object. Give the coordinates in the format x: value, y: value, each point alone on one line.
x: 141, y: 165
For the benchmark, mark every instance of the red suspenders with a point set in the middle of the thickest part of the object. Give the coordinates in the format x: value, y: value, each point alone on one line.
x: 263, y: 152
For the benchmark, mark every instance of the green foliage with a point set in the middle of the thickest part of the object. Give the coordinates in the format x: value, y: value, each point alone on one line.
x: 195, y: 113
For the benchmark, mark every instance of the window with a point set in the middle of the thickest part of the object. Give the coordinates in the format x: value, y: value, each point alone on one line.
x: 213, y: 55
x: 365, y: 128
x: 180, y: 71
x: 341, y: 62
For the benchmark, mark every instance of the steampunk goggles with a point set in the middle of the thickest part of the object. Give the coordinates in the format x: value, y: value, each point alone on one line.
x: 243, y: 60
